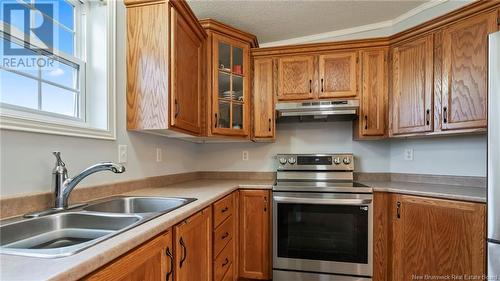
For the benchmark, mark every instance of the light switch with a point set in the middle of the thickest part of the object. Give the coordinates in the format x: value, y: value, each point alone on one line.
x: 122, y: 153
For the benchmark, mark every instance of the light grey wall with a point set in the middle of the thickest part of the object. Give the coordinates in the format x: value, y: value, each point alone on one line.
x: 26, y: 160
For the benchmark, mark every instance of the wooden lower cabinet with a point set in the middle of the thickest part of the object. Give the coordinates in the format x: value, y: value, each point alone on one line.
x: 254, y: 227
x: 149, y: 262
x: 435, y: 237
x: 193, y: 247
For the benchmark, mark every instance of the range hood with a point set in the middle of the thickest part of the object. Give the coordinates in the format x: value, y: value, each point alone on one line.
x: 325, y: 110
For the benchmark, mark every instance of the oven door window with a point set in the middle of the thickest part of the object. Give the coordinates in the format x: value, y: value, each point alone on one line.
x: 337, y: 233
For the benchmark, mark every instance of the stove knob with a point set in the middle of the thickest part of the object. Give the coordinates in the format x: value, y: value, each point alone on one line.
x: 347, y: 161
x: 336, y: 160
x: 282, y: 160
x: 291, y: 160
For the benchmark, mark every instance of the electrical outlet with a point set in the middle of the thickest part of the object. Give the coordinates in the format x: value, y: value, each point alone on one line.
x: 244, y: 155
x: 158, y: 155
x: 409, y: 154
x: 122, y: 153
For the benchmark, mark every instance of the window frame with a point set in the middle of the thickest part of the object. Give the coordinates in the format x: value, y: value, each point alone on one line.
x: 18, y: 118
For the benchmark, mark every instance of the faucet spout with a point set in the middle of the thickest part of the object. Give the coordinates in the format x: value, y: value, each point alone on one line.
x: 70, y: 183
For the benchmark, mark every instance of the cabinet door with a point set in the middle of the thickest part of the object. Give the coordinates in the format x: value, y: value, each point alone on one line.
x: 186, y: 72
x: 231, y: 91
x: 254, y: 242
x: 338, y: 75
x: 149, y: 262
x: 437, y: 237
x: 412, y: 104
x: 374, y: 92
x: 193, y: 247
x: 295, y: 78
x: 263, y: 98
x: 465, y: 72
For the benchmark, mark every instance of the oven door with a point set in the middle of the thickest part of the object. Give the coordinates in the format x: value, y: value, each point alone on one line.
x: 323, y: 232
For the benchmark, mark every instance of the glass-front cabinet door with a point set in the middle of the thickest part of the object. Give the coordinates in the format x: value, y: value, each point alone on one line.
x: 230, y: 97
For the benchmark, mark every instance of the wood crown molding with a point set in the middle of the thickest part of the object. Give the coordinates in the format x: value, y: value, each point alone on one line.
x: 419, y: 30
x: 213, y: 25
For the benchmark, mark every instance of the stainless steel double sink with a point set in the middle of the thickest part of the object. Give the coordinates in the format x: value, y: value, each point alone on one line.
x: 68, y: 232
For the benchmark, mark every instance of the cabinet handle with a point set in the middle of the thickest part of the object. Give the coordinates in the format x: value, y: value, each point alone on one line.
x: 445, y: 114
x: 366, y: 122
x: 225, y: 235
x: 321, y: 84
x: 265, y: 203
x: 224, y: 210
x: 184, y: 252
x: 269, y: 124
x: 398, y: 209
x: 176, y: 108
x: 216, y: 121
x: 428, y: 117
x: 310, y: 86
x: 171, y: 257
x: 226, y: 261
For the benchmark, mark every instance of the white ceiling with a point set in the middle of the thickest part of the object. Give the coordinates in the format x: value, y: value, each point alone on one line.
x: 277, y: 20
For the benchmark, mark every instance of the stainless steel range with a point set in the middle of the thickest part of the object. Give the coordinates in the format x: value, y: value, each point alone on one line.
x: 322, y: 220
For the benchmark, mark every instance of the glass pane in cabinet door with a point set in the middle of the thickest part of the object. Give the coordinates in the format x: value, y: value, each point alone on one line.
x: 237, y: 116
x: 224, y: 116
x: 224, y: 57
x: 238, y: 88
x: 224, y: 86
x: 237, y: 61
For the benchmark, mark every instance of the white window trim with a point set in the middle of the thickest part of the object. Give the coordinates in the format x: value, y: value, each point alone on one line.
x: 11, y: 119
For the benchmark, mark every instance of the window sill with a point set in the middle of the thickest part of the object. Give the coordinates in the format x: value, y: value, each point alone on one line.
x: 38, y: 126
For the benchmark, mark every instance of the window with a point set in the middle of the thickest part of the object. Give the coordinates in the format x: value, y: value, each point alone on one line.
x: 44, y: 67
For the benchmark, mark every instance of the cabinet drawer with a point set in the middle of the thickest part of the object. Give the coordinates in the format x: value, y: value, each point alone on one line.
x: 223, y: 209
x: 223, y: 262
x: 223, y: 234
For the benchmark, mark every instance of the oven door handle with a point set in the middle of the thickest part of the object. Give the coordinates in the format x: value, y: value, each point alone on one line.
x: 322, y: 201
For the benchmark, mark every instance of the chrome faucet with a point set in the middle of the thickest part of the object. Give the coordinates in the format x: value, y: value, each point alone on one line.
x: 64, y: 185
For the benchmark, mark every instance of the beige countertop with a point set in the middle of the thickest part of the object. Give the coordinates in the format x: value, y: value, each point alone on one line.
x: 206, y: 192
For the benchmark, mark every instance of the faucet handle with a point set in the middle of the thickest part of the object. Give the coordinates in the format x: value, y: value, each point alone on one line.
x: 59, y: 161
x: 60, y: 167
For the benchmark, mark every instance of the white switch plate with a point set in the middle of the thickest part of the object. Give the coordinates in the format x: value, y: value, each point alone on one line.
x: 409, y: 154
x: 244, y: 155
x: 159, y: 157
x: 122, y: 153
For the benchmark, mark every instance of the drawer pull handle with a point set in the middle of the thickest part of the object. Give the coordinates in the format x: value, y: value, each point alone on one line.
x: 226, y: 261
x: 445, y: 114
x: 184, y: 252
x: 310, y: 85
x: 225, y: 235
x: 224, y: 210
x: 171, y: 257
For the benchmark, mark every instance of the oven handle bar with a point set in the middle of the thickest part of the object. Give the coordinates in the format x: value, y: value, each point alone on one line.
x: 322, y: 201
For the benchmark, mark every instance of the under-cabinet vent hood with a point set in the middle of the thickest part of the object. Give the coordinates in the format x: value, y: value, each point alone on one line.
x: 326, y: 110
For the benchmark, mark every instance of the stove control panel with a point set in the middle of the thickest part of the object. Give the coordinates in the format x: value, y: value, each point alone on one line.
x: 316, y: 162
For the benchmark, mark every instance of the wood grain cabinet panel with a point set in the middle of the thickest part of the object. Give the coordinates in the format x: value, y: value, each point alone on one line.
x: 338, y: 75
x: 465, y: 72
x: 263, y: 99
x: 296, y: 78
x: 437, y: 237
x: 374, y: 94
x: 193, y: 247
x: 412, y: 87
x: 186, y: 71
x: 254, y: 254
x: 149, y: 262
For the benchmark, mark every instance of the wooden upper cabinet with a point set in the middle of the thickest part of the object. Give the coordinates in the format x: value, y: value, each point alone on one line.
x: 255, y: 251
x: 465, y: 72
x: 263, y: 98
x: 296, y: 79
x: 193, y: 247
x: 165, y: 67
x: 412, y: 87
x: 148, y: 262
x: 338, y: 75
x: 437, y: 237
x: 186, y: 74
x: 374, y: 93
